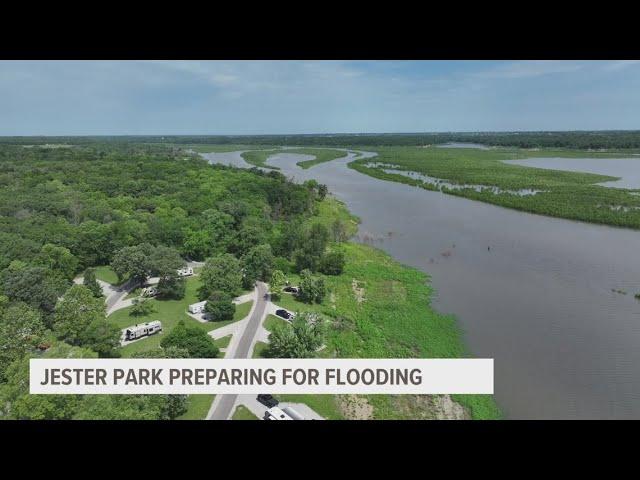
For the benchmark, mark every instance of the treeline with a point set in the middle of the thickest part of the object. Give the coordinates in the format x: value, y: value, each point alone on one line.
x: 144, y: 210
x: 611, y: 139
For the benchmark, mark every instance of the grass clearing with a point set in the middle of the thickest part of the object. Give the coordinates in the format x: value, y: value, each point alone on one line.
x: 243, y: 413
x: 106, y: 274
x: 197, y: 407
x: 259, y: 350
x: 223, y: 342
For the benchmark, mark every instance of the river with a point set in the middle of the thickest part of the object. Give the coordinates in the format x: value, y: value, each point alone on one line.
x: 535, y: 293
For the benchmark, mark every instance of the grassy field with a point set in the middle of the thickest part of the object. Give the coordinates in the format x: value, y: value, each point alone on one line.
x: 197, y: 407
x: 571, y: 195
x: 243, y: 413
x: 259, y: 350
x: 258, y: 158
x: 223, y: 342
x: 106, y: 274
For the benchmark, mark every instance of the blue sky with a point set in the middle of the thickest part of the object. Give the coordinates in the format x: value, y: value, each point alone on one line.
x: 262, y: 97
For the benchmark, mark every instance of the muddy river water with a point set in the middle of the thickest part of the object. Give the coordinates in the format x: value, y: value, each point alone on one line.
x: 535, y: 293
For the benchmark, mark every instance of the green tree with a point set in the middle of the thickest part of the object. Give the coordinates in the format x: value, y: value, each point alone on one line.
x: 133, y: 262
x: 223, y: 273
x: 277, y: 283
x: 36, y: 286
x: 21, y: 330
x: 311, y: 248
x: 220, y: 307
x: 101, y: 337
x: 312, y: 287
x: 172, y: 287
x: 164, y: 261
x: 299, y: 339
x: 58, y: 259
x: 258, y: 264
x: 74, y: 312
x: 332, y: 263
x: 17, y: 403
x: 192, y: 339
x: 91, y: 282
x: 141, y: 307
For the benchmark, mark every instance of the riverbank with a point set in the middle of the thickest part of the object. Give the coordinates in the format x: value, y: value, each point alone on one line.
x: 380, y: 308
x: 479, y: 174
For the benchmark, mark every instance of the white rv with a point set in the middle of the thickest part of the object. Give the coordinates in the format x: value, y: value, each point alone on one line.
x: 294, y: 414
x: 275, y: 413
x: 196, y: 308
x: 142, y: 330
x: 185, y: 272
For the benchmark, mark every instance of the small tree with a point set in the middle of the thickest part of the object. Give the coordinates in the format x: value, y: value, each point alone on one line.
x: 278, y: 280
x: 91, y: 282
x: 141, y: 308
x: 192, y: 339
x: 332, y: 263
x: 220, y: 307
x: 300, y: 339
x: 312, y: 287
x: 172, y: 286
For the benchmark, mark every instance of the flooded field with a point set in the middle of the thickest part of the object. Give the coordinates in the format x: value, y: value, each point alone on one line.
x: 551, y: 300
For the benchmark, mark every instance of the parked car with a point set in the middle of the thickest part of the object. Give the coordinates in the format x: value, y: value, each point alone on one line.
x: 290, y: 289
x: 284, y: 314
x: 267, y: 400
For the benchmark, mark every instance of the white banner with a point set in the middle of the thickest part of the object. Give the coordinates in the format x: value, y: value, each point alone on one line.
x: 254, y: 376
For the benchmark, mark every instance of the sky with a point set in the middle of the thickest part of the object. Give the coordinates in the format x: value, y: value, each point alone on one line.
x: 289, y: 97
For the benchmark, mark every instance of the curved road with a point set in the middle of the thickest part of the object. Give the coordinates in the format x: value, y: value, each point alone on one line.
x: 223, y: 404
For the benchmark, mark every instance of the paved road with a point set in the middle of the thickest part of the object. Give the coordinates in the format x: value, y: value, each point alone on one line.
x: 224, y: 403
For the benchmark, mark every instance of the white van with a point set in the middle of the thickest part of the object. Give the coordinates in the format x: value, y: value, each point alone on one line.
x: 196, y: 308
x: 142, y: 330
x: 275, y: 413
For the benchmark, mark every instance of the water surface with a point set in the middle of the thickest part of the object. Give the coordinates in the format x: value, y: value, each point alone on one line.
x: 532, y: 292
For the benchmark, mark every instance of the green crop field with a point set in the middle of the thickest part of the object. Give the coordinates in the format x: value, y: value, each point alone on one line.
x: 572, y: 195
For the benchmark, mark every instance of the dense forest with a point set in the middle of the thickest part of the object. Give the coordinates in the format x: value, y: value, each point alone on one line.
x: 143, y: 210
x: 613, y: 139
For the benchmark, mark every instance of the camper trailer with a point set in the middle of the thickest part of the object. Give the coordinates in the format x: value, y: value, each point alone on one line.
x: 295, y: 415
x: 185, y: 272
x: 196, y: 308
x: 142, y: 330
x: 275, y: 413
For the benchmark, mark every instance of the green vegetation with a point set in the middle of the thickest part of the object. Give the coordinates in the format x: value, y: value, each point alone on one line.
x: 260, y: 350
x: 325, y: 405
x: 222, y: 148
x: 223, y: 342
x: 197, y: 407
x: 571, y: 195
x: 322, y: 155
x: 242, y: 310
x: 243, y: 413
x: 258, y: 158
x: 106, y: 274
